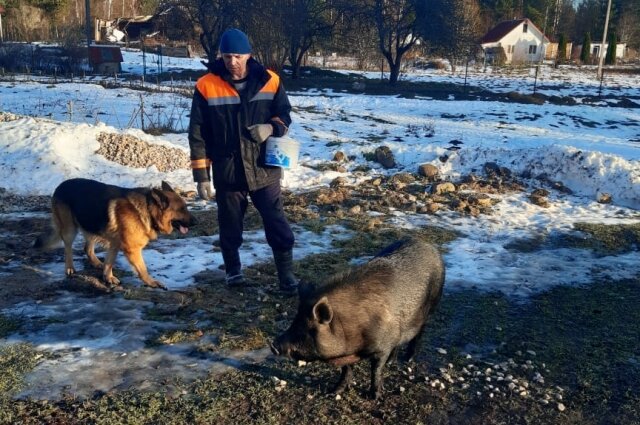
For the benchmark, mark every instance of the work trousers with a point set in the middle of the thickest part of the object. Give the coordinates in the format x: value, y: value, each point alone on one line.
x: 232, y: 206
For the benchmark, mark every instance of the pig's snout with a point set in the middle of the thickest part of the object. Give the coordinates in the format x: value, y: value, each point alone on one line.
x: 280, y: 348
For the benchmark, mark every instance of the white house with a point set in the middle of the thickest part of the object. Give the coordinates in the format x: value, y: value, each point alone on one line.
x: 520, y: 39
x: 621, y: 49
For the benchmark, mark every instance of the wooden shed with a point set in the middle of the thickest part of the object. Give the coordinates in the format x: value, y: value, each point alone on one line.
x: 105, y: 59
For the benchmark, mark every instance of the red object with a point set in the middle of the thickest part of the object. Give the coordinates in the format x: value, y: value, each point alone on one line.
x: 102, y: 54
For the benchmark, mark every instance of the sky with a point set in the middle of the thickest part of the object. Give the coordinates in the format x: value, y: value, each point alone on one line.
x: 590, y: 149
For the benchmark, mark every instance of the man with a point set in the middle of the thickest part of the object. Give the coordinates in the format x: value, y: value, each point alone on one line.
x: 236, y: 107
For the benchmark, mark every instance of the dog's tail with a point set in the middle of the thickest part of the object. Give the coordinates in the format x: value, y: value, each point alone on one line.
x: 51, y: 238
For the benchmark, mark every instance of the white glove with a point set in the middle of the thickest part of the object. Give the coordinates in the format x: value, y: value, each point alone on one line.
x: 260, y: 132
x: 204, y: 190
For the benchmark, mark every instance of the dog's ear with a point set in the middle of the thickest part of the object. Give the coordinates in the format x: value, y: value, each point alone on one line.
x: 165, y: 186
x: 160, y: 198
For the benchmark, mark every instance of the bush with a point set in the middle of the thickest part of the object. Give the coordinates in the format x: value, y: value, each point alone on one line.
x: 496, y: 56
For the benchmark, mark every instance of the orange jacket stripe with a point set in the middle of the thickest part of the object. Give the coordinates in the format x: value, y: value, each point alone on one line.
x: 213, y: 87
x: 269, y: 90
x: 200, y: 163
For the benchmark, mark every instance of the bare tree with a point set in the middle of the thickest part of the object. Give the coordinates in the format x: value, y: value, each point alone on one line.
x: 395, y: 22
x: 306, y: 22
x: 629, y: 24
x: 464, y: 31
x: 213, y: 17
x: 264, y: 22
x: 355, y: 35
x: 453, y: 27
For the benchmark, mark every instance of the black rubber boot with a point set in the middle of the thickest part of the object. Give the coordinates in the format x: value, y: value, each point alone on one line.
x: 233, y: 268
x: 284, y: 264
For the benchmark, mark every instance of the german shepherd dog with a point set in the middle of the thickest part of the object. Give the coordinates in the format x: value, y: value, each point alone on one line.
x: 119, y: 218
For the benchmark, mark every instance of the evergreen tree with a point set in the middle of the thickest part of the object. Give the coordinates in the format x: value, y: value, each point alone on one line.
x: 562, y: 49
x: 585, y: 54
x: 610, y: 58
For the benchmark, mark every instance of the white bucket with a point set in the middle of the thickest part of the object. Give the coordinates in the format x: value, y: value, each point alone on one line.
x: 282, y: 152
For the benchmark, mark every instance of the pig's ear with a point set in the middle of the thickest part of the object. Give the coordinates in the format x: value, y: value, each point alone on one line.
x: 322, y: 311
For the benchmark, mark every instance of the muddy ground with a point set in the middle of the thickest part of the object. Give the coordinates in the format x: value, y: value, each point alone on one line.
x: 567, y: 356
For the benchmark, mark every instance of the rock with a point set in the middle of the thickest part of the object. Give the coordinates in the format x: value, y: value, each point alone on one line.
x: 405, y: 178
x: 458, y: 204
x: 480, y: 200
x: 7, y: 116
x: 442, y: 188
x: 331, y: 196
x: 473, y: 211
x: 340, y: 157
x: 540, y: 201
x: 491, y: 169
x: 398, y: 185
x: 429, y: 171
x: 540, y: 192
x: 560, y: 187
x: 130, y: 151
x: 604, y: 198
x: 356, y: 209
x: 373, y: 223
x: 385, y: 157
x: 338, y: 182
x: 469, y: 178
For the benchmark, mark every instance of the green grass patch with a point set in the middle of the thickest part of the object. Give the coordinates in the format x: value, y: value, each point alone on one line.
x: 8, y: 325
x: 15, y: 361
x: 603, y: 239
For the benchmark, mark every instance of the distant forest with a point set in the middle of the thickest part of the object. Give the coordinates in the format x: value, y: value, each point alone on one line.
x: 287, y: 30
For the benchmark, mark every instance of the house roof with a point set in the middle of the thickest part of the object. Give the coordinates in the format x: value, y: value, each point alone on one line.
x: 498, y: 32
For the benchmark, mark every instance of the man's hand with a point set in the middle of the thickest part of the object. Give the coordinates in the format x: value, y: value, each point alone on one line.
x: 204, y: 190
x: 260, y: 132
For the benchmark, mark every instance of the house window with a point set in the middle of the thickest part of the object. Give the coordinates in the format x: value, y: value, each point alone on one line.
x: 532, y: 49
x: 525, y: 27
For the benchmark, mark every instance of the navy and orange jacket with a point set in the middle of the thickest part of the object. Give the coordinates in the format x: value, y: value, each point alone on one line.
x: 218, y: 135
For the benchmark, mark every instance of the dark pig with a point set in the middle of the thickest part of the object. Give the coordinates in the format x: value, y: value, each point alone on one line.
x: 367, y: 312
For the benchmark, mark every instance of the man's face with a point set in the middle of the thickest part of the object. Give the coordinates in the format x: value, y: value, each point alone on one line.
x: 236, y: 64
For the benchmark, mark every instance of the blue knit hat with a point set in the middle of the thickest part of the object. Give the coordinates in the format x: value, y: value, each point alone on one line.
x: 234, y: 41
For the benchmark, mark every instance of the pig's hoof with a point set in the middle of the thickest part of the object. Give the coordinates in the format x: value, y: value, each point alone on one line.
x: 338, y: 389
x: 375, y: 394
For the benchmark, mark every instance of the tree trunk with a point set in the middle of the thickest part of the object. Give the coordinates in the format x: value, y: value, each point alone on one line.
x: 394, y: 71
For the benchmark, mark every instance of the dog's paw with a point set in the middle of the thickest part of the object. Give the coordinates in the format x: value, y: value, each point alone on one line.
x: 112, y: 280
x: 155, y: 284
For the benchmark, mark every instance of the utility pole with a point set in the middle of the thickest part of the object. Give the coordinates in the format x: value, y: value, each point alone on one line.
x: 87, y: 18
x: 604, y: 38
x: 542, y: 51
x: 1, y: 35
